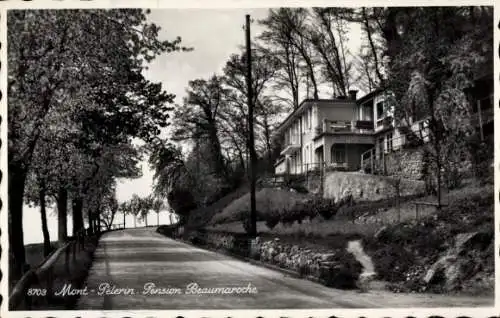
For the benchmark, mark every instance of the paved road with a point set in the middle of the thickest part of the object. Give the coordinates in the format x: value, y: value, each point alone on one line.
x: 130, y: 259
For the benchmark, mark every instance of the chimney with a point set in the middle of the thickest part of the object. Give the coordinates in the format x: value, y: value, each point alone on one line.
x: 352, y: 94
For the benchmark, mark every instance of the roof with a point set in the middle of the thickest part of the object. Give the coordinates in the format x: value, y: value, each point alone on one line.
x: 370, y: 95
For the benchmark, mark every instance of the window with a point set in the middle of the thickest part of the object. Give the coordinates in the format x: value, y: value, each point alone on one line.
x: 338, y: 154
x: 367, y: 112
x: 310, y: 118
x: 389, y: 142
x: 380, y: 110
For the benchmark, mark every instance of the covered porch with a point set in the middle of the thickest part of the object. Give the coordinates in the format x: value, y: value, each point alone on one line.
x: 340, y: 153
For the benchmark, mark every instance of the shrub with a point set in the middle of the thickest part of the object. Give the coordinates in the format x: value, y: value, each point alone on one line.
x: 324, y: 207
x: 300, y: 189
x: 392, y: 261
x: 272, y: 221
x: 343, y: 273
x: 246, y: 224
x: 246, y: 219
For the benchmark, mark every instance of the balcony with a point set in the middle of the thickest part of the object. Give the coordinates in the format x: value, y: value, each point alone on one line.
x: 364, y: 124
x: 291, y: 145
x: 343, y: 127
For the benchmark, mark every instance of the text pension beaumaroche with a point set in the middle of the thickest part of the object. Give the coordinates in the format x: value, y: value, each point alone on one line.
x: 106, y: 289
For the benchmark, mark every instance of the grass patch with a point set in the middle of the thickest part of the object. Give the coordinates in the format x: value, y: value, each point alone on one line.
x: 267, y: 200
x: 70, y: 267
x: 201, y: 216
x: 34, y: 258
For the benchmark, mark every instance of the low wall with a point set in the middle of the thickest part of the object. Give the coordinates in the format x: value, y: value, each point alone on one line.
x: 367, y: 187
x: 335, y: 268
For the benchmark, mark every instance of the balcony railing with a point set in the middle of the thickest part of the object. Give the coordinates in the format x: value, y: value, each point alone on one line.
x: 344, y: 126
x: 291, y: 145
x: 385, y: 122
x: 293, y: 140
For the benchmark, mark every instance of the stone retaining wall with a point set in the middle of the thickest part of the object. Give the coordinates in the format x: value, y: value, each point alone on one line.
x: 367, y: 187
x: 335, y: 267
x: 407, y: 163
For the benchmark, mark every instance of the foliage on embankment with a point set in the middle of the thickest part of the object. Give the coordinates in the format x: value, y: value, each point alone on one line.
x: 444, y: 252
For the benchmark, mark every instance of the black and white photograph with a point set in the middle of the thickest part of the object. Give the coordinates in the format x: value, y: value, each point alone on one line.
x: 239, y: 158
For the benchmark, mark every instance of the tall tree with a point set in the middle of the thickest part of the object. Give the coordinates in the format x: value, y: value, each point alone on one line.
x: 296, y: 18
x: 199, y: 114
x: 135, y: 207
x: 328, y: 35
x: 146, y: 207
x: 110, y: 208
x: 278, y: 40
x: 437, y: 55
x: 171, y: 178
x: 157, y: 205
x: 235, y: 113
x: 97, y: 53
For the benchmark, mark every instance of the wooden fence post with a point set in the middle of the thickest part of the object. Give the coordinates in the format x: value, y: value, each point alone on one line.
x: 372, y: 155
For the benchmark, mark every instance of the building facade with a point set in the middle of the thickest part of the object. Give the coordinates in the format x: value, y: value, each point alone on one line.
x: 351, y: 134
x: 330, y: 133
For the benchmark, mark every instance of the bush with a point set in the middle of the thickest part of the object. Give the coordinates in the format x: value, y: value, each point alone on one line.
x: 327, y: 208
x: 271, y: 222
x: 246, y: 219
x: 343, y: 273
x: 300, y: 189
x: 392, y: 261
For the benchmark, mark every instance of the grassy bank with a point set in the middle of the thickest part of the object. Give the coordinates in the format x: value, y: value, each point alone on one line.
x: 405, y: 248
x: 68, y: 265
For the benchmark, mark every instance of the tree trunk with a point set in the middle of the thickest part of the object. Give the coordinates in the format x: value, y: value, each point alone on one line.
x: 124, y: 216
x: 374, y: 52
x: 90, y: 221
x: 267, y: 137
x: 310, y: 70
x: 77, y: 206
x: 43, y: 213
x: 17, y: 181
x: 171, y: 219
x: 62, y: 214
x: 135, y: 220
x: 158, y: 218
x: 97, y: 217
x: 146, y: 219
x: 217, y: 152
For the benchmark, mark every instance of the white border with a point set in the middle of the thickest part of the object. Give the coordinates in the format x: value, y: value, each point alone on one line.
x: 218, y: 4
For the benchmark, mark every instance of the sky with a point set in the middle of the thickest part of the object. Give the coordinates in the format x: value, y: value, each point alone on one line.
x: 214, y: 34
